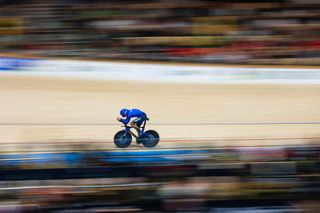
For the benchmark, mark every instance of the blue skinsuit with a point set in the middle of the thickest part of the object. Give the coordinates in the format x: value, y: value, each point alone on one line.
x: 134, y: 113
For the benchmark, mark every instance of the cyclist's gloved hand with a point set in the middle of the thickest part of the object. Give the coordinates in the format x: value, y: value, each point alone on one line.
x: 118, y: 118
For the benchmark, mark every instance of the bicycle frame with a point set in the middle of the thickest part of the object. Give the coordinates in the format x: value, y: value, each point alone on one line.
x: 142, y: 128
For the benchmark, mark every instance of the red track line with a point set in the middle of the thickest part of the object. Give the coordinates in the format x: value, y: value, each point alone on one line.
x: 171, y: 140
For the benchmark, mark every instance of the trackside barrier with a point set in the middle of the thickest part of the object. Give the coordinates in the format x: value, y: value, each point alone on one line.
x: 157, y: 72
x: 244, y: 154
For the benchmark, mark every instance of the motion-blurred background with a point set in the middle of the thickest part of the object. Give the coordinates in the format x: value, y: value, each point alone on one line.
x: 222, y: 31
x: 239, y: 130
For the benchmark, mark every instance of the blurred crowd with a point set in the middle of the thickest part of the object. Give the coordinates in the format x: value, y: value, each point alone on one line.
x: 225, y: 179
x: 221, y: 31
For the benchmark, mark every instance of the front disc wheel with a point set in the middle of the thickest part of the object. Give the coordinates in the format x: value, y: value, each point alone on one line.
x: 122, y: 139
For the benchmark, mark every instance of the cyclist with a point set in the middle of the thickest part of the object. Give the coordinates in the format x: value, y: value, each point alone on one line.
x: 133, y: 113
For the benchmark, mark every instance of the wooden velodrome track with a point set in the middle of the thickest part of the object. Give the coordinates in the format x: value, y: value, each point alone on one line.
x: 39, y: 109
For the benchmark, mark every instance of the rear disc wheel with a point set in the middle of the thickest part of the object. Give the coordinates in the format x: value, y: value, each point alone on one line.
x: 150, y: 139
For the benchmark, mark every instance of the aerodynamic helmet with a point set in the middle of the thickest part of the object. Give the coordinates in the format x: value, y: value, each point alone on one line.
x: 124, y: 112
